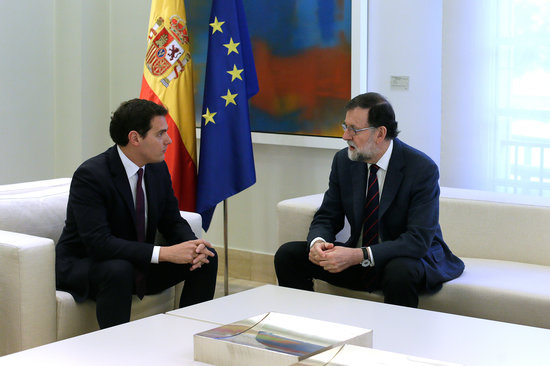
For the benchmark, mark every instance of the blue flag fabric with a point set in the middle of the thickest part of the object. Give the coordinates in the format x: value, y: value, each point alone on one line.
x: 226, y: 161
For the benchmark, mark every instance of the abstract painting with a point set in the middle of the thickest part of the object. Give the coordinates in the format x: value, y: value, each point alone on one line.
x: 302, y: 52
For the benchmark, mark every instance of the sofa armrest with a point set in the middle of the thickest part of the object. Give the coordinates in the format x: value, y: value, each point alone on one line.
x: 295, y: 216
x: 194, y: 220
x: 27, y: 291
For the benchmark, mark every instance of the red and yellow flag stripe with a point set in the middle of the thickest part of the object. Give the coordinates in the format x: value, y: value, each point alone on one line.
x: 168, y: 80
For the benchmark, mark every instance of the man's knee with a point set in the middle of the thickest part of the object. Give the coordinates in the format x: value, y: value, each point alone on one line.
x: 289, y: 253
x: 402, y: 271
x: 292, y: 266
x: 115, y: 271
x: 210, y: 268
x: 213, y: 261
x: 280, y: 255
x: 212, y: 264
x: 293, y: 249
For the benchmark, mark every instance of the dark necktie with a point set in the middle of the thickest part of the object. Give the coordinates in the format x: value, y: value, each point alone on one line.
x: 370, y: 223
x: 139, y: 277
x: 140, y: 208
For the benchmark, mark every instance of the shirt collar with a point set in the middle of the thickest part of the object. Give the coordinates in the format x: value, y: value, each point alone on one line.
x: 129, y: 166
x: 385, y: 159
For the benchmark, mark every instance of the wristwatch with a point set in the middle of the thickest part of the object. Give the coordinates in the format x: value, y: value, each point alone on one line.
x: 366, y: 261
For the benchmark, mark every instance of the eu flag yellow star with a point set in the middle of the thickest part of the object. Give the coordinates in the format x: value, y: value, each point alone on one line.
x: 209, y: 117
x: 229, y: 98
x: 231, y: 46
x: 216, y: 26
x: 235, y: 73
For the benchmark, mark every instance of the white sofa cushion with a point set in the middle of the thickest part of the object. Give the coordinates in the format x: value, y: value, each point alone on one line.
x: 77, y: 318
x: 498, y: 290
x: 489, y: 289
x: 35, y: 208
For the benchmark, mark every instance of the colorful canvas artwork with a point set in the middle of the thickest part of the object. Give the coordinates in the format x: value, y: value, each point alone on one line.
x: 302, y: 52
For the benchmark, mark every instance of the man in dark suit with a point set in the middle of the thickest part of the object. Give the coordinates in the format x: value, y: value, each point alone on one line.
x: 117, y: 202
x: 396, y: 243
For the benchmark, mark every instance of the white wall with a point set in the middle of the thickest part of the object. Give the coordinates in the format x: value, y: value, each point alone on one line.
x: 54, y: 94
x: 128, y: 21
x: 405, y: 40
x: 26, y: 95
x: 95, y: 61
x: 81, y: 82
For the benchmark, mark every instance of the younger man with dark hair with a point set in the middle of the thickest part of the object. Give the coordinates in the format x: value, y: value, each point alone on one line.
x: 117, y: 202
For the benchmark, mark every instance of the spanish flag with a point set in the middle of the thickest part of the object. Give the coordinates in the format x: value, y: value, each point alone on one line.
x: 168, y: 80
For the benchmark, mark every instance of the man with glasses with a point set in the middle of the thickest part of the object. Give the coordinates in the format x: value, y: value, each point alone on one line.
x: 389, y: 193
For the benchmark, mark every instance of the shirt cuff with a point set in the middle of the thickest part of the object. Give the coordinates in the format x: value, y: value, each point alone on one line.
x: 156, y: 253
x: 314, y: 240
x: 369, y: 252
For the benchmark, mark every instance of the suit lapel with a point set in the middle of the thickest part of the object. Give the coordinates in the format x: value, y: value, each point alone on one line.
x: 394, y: 177
x: 121, y: 180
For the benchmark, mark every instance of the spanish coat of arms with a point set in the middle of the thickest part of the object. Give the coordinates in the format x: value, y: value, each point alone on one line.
x: 168, y: 49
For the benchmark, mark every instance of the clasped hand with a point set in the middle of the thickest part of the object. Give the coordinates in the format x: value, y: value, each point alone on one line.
x: 194, y: 252
x: 332, y: 258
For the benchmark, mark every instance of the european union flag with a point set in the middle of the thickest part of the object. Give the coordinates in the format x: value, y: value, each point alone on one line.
x: 226, y: 162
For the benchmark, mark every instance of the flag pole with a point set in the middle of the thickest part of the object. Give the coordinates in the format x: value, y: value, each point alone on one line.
x: 226, y: 259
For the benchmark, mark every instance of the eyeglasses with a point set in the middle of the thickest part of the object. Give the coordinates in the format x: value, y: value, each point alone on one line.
x: 354, y: 131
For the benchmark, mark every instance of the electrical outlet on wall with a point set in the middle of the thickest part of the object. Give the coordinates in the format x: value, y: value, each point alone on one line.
x: 399, y: 83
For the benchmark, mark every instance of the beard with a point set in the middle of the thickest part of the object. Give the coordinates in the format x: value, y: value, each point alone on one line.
x: 357, y: 154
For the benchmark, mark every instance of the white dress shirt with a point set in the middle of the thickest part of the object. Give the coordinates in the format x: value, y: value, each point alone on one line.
x: 131, y: 172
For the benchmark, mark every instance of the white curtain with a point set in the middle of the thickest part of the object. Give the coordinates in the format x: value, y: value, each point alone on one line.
x: 468, y: 61
x: 496, y: 95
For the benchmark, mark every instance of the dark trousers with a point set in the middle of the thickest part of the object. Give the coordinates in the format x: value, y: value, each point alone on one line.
x: 400, y: 280
x: 112, y: 286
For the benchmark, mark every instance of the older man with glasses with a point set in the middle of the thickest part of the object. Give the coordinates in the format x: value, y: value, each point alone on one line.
x: 389, y: 193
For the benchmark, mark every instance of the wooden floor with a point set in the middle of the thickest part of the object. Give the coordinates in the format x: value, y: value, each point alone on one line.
x: 235, y: 285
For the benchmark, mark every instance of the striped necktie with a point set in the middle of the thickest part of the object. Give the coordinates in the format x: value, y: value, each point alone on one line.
x: 370, y: 223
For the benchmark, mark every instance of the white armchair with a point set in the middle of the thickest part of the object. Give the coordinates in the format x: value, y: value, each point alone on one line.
x: 32, y: 312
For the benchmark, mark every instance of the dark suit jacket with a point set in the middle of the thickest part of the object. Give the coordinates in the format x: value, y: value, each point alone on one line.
x: 100, y: 220
x: 408, y: 213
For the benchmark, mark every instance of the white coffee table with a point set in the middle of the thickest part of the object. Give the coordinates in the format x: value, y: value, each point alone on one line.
x: 167, y: 339
x: 156, y: 340
x: 423, y: 333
